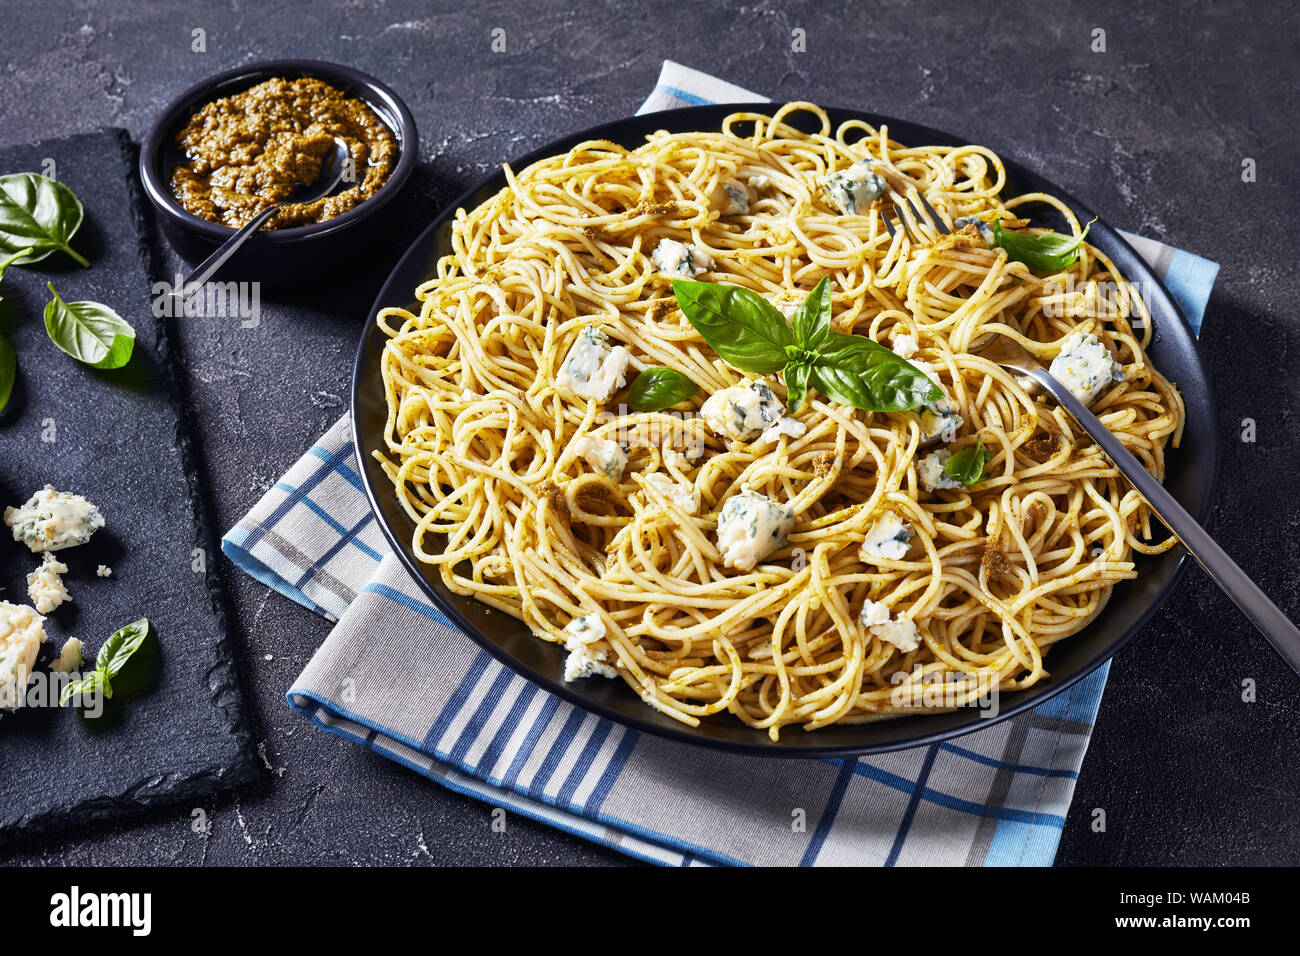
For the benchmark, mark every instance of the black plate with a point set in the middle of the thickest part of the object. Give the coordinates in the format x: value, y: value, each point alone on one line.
x: 1192, y: 470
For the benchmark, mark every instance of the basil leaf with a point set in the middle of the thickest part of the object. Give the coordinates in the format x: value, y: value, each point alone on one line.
x: 86, y: 685
x: 119, y: 647
x: 89, y: 332
x: 744, y: 328
x: 796, y: 385
x: 1049, y: 252
x: 658, y: 388
x: 967, y: 465
x: 8, y: 371
x: 856, y: 371
x: 38, y: 213
x: 812, y: 320
x: 7, y: 261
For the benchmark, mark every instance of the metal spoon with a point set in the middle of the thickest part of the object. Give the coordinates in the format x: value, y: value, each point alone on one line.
x: 331, y: 175
x: 1263, y: 613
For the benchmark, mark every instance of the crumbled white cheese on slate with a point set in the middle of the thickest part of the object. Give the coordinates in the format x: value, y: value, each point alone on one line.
x: 52, y: 520
x: 984, y: 229
x: 21, y: 632
x: 930, y: 470
x: 582, y: 660
x: 742, y: 412
x: 44, y: 585
x: 1085, y: 367
x: 607, y: 457
x: 853, y: 190
x: 889, y: 538
x: 680, y: 259
x: 69, y: 658
x: 751, y: 527
x: 733, y: 197
x: 104, y: 571
x: 592, y: 368
x: 682, y: 496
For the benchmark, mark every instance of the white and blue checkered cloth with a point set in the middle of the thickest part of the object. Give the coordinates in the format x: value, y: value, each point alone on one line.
x: 396, y: 676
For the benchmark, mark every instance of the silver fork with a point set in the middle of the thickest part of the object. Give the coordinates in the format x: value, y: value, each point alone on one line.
x: 905, y: 190
x: 1017, y: 361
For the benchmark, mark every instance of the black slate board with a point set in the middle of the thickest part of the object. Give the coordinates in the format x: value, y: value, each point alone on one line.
x: 176, y: 728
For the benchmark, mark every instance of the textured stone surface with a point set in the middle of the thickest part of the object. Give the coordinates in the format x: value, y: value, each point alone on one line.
x: 1153, y: 132
x: 115, y: 437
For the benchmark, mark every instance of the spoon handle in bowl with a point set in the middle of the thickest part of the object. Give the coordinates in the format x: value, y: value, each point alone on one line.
x: 209, y: 267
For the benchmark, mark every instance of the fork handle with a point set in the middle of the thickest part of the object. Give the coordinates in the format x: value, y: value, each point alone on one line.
x: 1234, y: 582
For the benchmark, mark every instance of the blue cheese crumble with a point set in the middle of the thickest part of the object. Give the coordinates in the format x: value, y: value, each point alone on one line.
x: 592, y: 368
x: 606, y: 457
x: 732, y: 197
x: 853, y: 190
x: 52, y: 520
x: 1085, y: 367
x: 939, y: 419
x: 751, y: 527
x: 982, y: 227
x: 681, y: 496
x: 901, y: 631
x: 930, y: 471
x: 22, y: 631
x: 889, y: 539
x: 742, y: 412
x: 69, y: 658
x: 45, y: 587
x: 680, y: 259
x: 583, y: 661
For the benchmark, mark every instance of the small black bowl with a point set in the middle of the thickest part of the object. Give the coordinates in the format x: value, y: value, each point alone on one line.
x: 277, y: 256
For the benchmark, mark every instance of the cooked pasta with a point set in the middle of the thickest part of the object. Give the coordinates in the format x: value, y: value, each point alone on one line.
x: 826, y: 570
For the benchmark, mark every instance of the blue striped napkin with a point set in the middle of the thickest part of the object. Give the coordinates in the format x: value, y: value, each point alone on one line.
x: 396, y: 676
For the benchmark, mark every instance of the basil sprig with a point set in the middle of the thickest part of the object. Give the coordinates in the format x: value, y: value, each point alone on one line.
x: 39, y: 214
x: 657, y: 388
x: 751, y: 334
x: 89, y: 332
x: 112, y: 657
x: 8, y: 358
x: 967, y: 465
x: 1048, y: 252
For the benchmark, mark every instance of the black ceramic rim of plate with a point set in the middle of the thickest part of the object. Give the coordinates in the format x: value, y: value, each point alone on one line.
x: 159, y: 153
x: 1192, y: 473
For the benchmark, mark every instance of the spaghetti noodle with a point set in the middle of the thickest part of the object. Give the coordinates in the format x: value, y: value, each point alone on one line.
x: 489, y: 439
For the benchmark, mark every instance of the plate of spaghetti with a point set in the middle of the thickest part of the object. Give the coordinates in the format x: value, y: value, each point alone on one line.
x: 684, y: 418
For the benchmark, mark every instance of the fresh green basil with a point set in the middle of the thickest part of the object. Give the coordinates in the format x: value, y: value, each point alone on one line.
x: 752, y: 335
x: 1049, y: 252
x: 8, y: 371
x: 812, y: 320
x: 121, y: 644
x: 110, y: 660
x: 796, y: 384
x: 40, y: 214
x: 657, y: 388
x: 86, y: 685
x: 89, y: 332
x: 8, y: 358
x: 967, y: 465
x: 740, y: 325
x: 857, y: 371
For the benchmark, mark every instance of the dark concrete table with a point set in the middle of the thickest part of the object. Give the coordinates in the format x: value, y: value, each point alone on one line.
x: 1153, y: 131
